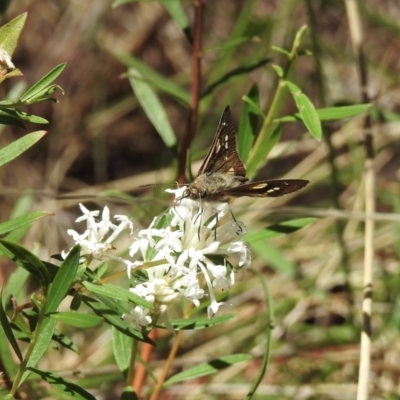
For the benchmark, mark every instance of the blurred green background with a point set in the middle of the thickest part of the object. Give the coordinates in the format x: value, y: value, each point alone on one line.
x: 100, y: 140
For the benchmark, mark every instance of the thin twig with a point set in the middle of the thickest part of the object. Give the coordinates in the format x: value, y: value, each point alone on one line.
x: 197, y: 55
x: 365, y: 350
x: 146, y: 353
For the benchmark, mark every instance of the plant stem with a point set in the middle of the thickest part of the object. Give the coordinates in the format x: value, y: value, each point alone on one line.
x: 199, y: 6
x: 25, y: 361
x: 268, y: 126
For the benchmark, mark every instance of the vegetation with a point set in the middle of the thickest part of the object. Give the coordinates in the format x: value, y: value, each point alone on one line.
x: 130, y: 94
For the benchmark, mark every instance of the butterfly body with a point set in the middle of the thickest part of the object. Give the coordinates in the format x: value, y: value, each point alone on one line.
x: 223, y: 174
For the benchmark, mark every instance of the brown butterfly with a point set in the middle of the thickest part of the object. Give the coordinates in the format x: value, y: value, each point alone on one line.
x: 223, y: 174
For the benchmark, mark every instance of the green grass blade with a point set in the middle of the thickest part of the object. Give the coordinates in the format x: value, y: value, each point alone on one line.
x: 208, y: 368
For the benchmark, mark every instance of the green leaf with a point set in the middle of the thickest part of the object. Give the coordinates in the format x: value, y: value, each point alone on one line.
x: 177, y: 13
x: 43, y: 341
x: 14, y: 149
x: 22, y: 221
x: 63, y: 280
x: 17, y: 285
x: 31, y: 118
x: 117, y: 3
x: 272, y: 138
x: 64, y: 387
x: 10, y: 120
x: 42, y: 83
x: 7, y: 329
x: 65, y: 341
x: 233, y: 74
x: 280, y: 50
x: 122, y: 345
x: 208, y: 368
x: 152, y: 107
x: 307, y: 110
x: 279, y: 70
x: 198, y: 323
x: 118, y: 293
x: 273, y: 256
x: 7, y: 356
x: 283, y: 228
x: 76, y: 319
x: 247, y: 130
x: 25, y: 257
x: 9, y: 33
x: 154, y: 78
x: 112, y: 312
x: 331, y: 113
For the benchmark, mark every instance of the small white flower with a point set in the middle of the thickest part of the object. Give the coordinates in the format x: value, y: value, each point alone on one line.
x: 197, y: 235
x: 96, y: 241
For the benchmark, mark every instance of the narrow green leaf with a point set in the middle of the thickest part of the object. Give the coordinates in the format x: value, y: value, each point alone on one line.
x: 23, y: 220
x: 9, y: 33
x: 112, y: 313
x: 64, y: 387
x: 5, y: 324
x: 7, y: 356
x: 17, y: 285
x: 152, y: 107
x: 35, y: 119
x: 233, y: 74
x: 177, y: 13
x: 24, y: 256
x: 331, y: 113
x: 273, y: 256
x: 118, y: 293
x: 153, y: 78
x: 280, y: 50
x: 278, y: 69
x: 63, y: 280
x: 129, y: 394
x: 198, y: 323
x: 43, y: 83
x: 273, y: 137
x: 117, y: 3
x: 248, y: 124
x: 307, y: 110
x: 76, y: 319
x: 122, y: 346
x: 44, y: 339
x: 10, y: 120
x: 283, y: 228
x: 208, y: 368
x: 65, y: 341
x: 14, y: 149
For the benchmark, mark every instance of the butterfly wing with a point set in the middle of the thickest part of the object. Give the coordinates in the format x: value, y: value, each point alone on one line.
x: 223, y: 156
x: 273, y: 188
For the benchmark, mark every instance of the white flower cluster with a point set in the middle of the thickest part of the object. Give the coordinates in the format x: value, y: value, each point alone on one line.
x: 192, y: 243
x: 94, y: 241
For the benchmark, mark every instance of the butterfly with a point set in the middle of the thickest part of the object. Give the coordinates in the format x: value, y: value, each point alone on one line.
x: 222, y: 175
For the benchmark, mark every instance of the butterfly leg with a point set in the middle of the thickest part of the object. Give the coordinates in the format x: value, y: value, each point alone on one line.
x: 240, y: 230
